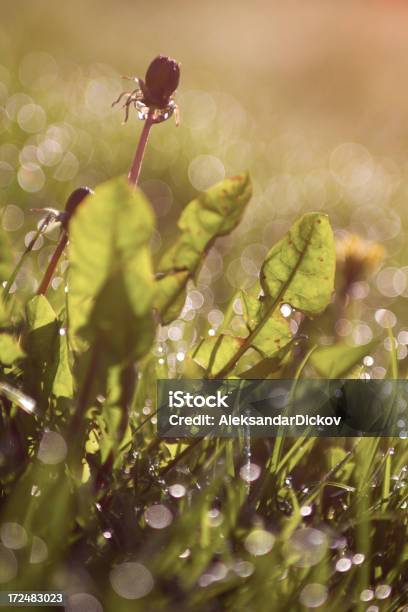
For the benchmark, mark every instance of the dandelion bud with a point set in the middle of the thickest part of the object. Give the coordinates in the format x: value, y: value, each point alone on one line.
x: 74, y: 200
x: 161, y: 81
x: 357, y: 258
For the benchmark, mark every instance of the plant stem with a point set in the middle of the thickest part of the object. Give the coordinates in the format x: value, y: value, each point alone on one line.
x: 134, y: 171
x: 42, y: 289
x: 6, y: 290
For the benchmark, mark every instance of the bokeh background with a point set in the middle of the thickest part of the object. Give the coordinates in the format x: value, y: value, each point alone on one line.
x: 311, y: 97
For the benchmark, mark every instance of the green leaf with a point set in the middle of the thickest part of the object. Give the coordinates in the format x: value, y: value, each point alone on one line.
x: 47, y: 365
x: 337, y: 360
x: 110, y: 276
x: 299, y: 269
x: 10, y: 350
x: 212, y: 214
x: 171, y: 295
x: 273, y: 331
x: 213, y: 353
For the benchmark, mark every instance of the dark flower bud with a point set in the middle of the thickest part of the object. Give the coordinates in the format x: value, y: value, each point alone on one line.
x: 161, y: 81
x: 74, y: 200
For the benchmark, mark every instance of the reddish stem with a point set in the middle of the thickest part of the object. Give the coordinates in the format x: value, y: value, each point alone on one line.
x: 42, y: 289
x: 134, y: 172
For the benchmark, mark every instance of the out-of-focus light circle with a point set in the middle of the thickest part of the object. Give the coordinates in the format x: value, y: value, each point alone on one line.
x: 352, y: 165
x: 391, y: 282
x: 52, y: 449
x: 175, y: 331
x: 215, y: 517
x: 199, y: 109
x: 403, y: 337
x: 159, y: 194
x: 32, y: 118
x: 8, y: 565
x: 39, y: 550
x: 358, y: 558
x: 284, y: 192
x: 37, y: 244
x: 383, y: 591
x: 309, y: 545
x: 49, y: 152
x: 250, y: 472
x: 177, y: 490
x: 99, y: 95
x: 4, y: 120
x: 6, y: 174
x: 237, y: 156
x: 195, y: 299
x: 28, y: 155
x: 83, y: 602
x: 286, y: 310
x: 361, y: 334
x: 31, y: 178
x: 67, y: 168
x: 13, y: 535
x: 385, y: 318
x: 237, y: 276
x: 259, y: 542
x: 15, y: 102
x: 131, y: 580
x: 375, y: 223
x: 204, y: 171
x: 343, y: 564
x: 215, y: 317
x: 158, y: 516
x: 367, y: 595
x: 313, y: 595
x: 12, y: 218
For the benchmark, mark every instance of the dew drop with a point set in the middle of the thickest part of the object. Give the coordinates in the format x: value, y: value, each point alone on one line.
x: 250, y: 472
x: 286, y: 310
x: 177, y: 490
x: 185, y: 554
x: 358, y: 559
x: 309, y: 545
x: 13, y: 535
x: 343, y: 564
x: 39, y: 550
x: 52, y: 449
x: 158, y: 516
x: 259, y: 542
x: 131, y: 580
x: 367, y: 595
x: 313, y: 595
x: 383, y: 591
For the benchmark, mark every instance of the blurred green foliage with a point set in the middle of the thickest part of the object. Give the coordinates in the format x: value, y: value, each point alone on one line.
x: 311, y: 101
